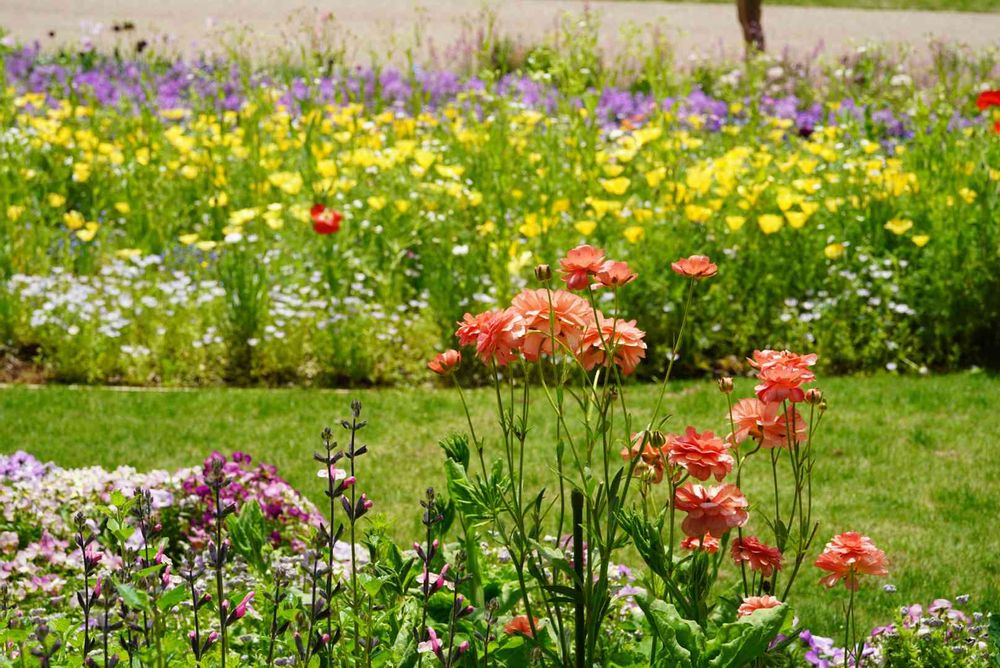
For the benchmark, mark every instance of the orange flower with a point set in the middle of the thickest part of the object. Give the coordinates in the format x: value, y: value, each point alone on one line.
x: 781, y: 375
x: 520, y: 625
x: 708, y: 542
x: 713, y: 510
x: 567, y: 316
x: 754, y: 603
x: 759, y: 556
x: 702, y: 455
x: 580, y: 264
x: 695, y: 267
x: 766, y: 423
x: 615, y: 274
x: 650, y: 461
x: 496, y: 334
x: 848, y: 555
x: 621, y: 337
x: 446, y: 362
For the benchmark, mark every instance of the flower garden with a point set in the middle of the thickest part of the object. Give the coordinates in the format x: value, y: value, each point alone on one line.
x: 544, y: 240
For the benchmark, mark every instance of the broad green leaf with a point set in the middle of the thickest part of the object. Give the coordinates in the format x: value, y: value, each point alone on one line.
x: 171, y: 597
x: 682, y: 641
x: 247, y: 532
x: 746, y: 639
x: 133, y: 598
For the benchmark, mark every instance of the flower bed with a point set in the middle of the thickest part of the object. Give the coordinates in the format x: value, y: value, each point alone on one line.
x: 226, y: 563
x: 300, y: 204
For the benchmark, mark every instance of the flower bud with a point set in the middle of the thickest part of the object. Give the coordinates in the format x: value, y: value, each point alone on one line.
x: 814, y: 396
x: 657, y: 438
x: 543, y: 273
x: 726, y: 385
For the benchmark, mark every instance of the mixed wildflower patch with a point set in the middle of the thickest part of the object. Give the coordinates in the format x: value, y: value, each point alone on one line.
x: 196, y: 222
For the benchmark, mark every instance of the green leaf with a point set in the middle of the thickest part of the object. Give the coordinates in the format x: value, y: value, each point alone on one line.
x: 746, y: 639
x: 682, y: 641
x: 133, y: 598
x: 171, y: 597
x: 247, y: 532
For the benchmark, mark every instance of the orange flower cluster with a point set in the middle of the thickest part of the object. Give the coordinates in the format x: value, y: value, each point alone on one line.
x: 546, y: 322
x: 757, y: 555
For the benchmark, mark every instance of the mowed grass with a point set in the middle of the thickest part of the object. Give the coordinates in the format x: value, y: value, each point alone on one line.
x: 912, y: 462
x: 932, y: 5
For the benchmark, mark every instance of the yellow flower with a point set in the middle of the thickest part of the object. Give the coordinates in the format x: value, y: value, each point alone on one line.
x: 189, y: 172
x: 656, y: 176
x: 616, y: 186
x: 376, y: 202
x: 585, y: 227
x: 402, y: 206
x: 920, y: 240
x: 14, y: 212
x: 449, y: 171
x: 81, y: 172
x: 735, y: 222
x: 560, y: 205
x: 486, y: 228
x: 833, y: 251
x: 88, y: 232
x: 770, y: 223
x: 613, y: 170
x: 74, y: 219
x: 899, y: 225
x: 55, y: 200
x: 530, y: 228
x: 126, y: 253
x: 696, y: 213
x: 123, y: 208
x: 968, y: 195
x: 205, y: 245
x: 796, y: 219
x: 241, y: 216
x: 634, y: 233
x: 219, y: 199
x: 188, y: 239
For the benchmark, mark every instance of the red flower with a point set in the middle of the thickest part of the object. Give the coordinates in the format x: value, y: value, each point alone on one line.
x: 713, y: 510
x: 520, y: 625
x: 848, y: 555
x: 496, y: 334
x: 615, y: 274
x: 325, y: 220
x: 759, y: 556
x: 702, y: 455
x: 708, y: 542
x: 696, y: 267
x: 987, y: 99
x: 580, y: 264
x: 446, y: 362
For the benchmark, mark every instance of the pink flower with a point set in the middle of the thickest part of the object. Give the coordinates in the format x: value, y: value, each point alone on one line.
x: 497, y: 335
x: 759, y: 556
x: 782, y: 374
x: 702, y: 455
x: 848, y: 555
x: 754, y: 603
x: 708, y: 542
x: 580, y: 264
x: 445, y: 363
x: 558, y: 313
x: 430, y: 646
x: 620, y: 336
x: 615, y: 274
x: 766, y: 423
x: 243, y: 606
x: 713, y: 510
x: 696, y: 267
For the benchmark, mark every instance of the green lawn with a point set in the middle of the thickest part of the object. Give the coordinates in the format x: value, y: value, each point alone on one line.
x: 912, y: 462
x: 936, y: 5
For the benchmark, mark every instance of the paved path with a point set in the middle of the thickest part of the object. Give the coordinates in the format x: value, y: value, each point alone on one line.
x: 387, y: 25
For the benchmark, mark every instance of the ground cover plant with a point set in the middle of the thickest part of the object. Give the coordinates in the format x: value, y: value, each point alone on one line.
x: 228, y: 531
x: 195, y: 222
